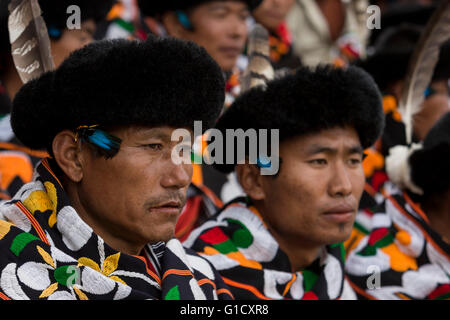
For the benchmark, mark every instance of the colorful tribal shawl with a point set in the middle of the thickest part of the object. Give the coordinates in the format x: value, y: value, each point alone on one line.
x: 237, y: 242
x: 48, y: 252
x: 394, y: 254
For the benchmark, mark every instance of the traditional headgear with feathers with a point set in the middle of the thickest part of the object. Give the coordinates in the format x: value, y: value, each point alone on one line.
x: 421, y: 68
x: 118, y: 83
x: 30, y: 43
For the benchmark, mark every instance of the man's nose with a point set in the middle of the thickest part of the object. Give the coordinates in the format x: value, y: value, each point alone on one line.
x: 176, y: 176
x: 340, y: 183
x: 237, y: 28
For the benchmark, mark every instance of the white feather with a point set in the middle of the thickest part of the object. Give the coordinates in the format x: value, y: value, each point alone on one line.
x: 422, y: 64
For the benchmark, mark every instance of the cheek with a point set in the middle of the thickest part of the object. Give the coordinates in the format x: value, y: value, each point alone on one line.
x: 358, y: 182
x: 291, y: 198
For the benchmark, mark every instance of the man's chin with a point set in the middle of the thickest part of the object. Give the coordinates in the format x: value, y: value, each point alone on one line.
x: 162, y: 235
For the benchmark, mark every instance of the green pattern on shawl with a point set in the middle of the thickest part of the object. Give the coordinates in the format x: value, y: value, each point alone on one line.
x: 20, y: 242
x: 173, y: 294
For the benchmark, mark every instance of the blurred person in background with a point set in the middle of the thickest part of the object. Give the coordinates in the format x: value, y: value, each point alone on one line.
x: 387, y: 4
x: 329, y: 31
x: 272, y: 15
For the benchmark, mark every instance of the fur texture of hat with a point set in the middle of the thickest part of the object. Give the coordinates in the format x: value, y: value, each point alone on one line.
x: 309, y: 101
x: 119, y: 82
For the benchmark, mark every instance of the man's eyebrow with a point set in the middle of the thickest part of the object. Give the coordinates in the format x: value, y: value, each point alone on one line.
x: 316, y: 149
x: 355, y: 149
x: 154, y: 134
x: 218, y: 6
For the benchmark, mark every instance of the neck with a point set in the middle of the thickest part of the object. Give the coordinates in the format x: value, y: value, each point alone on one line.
x: 101, y: 227
x: 437, y: 209
x: 11, y: 81
x: 301, y: 252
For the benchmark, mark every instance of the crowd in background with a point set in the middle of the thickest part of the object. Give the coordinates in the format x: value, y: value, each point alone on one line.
x: 301, y: 33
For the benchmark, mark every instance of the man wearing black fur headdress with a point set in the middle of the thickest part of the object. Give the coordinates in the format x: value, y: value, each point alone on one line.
x: 97, y: 221
x: 283, y: 240
x: 17, y: 161
x: 220, y: 27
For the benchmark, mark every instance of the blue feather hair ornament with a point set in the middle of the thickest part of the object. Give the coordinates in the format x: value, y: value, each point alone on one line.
x: 107, y: 144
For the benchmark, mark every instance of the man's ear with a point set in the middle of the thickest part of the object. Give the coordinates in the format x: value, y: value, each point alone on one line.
x: 250, y: 179
x: 173, y: 26
x: 68, y: 155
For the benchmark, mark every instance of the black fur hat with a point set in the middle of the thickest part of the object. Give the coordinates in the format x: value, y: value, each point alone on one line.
x: 307, y: 102
x: 55, y: 15
x: 430, y: 165
x: 152, y: 7
x: 117, y: 83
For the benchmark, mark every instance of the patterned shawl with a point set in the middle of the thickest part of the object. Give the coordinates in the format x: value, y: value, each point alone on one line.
x: 237, y: 242
x: 394, y: 254
x: 48, y: 252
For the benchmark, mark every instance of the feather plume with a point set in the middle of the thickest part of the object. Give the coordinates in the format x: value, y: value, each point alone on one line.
x: 259, y: 69
x: 30, y: 44
x: 422, y: 64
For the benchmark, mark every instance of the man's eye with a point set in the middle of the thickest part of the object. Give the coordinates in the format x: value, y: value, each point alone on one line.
x: 154, y: 146
x: 355, y: 161
x: 220, y: 13
x: 244, y: 16
x: 318, y: 161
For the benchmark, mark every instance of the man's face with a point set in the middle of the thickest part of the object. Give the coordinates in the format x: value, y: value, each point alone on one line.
x: 271, y: 13
x: 136, y: 196
x: 72, y: 40
x: 220, y: 27
x: 315, y: 197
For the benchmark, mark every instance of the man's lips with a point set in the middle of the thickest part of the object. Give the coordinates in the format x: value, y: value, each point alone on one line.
x: 341, y: 213
x: 274, y: 15
x: 171, y: 207
x: 231, y: 51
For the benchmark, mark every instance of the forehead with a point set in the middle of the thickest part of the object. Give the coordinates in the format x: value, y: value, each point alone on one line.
x: 331, y: 138
x: 233, y: 5
x: 146, y: 132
